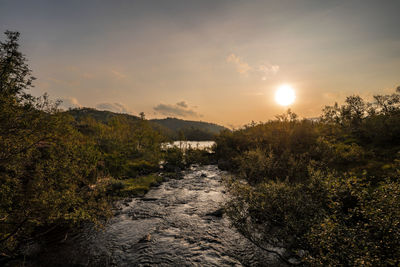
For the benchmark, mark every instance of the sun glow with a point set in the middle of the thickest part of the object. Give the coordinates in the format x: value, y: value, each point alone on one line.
x: 285, y: 95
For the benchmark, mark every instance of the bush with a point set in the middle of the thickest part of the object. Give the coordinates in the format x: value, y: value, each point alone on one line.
x: 347, y: 211
x: 197, y: 156
x: 141, y: 167
x: 362, y: 228
x: 48, y: 170
x: 328, y: 221
x: 278, y: 213
x: 134, y: 186
x: 173, y: 159
x: 258, y: 165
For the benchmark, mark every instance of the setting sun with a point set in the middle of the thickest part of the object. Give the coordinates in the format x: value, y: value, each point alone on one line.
x: 170, y: 133
x: 285, y: 95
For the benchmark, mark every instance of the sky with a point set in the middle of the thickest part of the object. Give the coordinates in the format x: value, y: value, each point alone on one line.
x: 211, y: 60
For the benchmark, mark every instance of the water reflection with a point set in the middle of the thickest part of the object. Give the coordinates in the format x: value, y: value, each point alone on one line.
x: 204, y: 145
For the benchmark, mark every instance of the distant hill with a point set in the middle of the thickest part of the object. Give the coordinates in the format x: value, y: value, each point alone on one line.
x: 175, y: 124
x: 99, y: 115
x: 173, y: 128
x: 190, y: 130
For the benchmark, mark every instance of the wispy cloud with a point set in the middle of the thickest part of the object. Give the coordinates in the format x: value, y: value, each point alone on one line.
x: 180, y: 109
x: 267, y: 70
x: 87, y: 75
x: 118, y: 74
x: 264, y: 70
x: 241, y: 66
x: 114, y: 107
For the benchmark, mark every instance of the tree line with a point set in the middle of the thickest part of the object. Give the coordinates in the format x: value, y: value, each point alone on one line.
x: 326, y: 190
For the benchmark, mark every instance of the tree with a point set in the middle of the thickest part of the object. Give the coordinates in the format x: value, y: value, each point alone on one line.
x: 47, y: 168
x: 15, y: 75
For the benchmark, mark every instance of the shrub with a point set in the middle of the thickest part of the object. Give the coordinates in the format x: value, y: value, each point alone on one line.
x: 132, y: 187
x: 278, y: 213
x: 173, y: 159
x: 197, y: 156
x: 362, y: 227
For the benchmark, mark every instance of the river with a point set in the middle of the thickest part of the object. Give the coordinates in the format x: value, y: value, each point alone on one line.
x: 179, y: 223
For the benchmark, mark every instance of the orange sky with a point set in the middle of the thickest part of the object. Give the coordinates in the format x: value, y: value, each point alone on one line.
x: 217, y: 61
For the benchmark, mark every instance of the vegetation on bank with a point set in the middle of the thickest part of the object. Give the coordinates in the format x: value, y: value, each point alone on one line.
x: 59, y: 170
x: 133, y: 186
x: 47, y: 167
x: 326, y: 190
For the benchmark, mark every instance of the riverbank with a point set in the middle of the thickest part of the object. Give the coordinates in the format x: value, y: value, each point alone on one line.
x: 178, y: 223
x: 138, y: 186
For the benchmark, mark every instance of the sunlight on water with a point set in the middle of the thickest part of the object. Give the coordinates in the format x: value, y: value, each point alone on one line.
x: 205, y: 145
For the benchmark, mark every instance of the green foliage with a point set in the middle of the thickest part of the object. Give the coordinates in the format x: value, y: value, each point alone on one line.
x: 334, y: 220
x: 177, y: 158
x: 198, y: 156
x: 341, y: 155
x: 174, y: 159
x: 47, y: 169
x: 363, y: 226
x: 277, y: 213
x: 129, y: 147
x: 174, y: 129
x: 326, y: 190
x: 55, y: 168
x: 15, y: 75
x: 276, y: 150
x: 134, y: 186
x: 102, y: 116
x: 256, y: 165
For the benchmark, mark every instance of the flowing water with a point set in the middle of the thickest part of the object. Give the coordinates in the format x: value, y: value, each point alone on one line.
x: 179, y: 223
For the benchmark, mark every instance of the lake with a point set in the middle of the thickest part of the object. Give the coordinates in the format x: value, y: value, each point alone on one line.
x: 204, y: 145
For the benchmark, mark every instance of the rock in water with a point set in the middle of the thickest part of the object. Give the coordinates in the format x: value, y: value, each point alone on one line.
x: 146, y: 238
x: 217, y: 213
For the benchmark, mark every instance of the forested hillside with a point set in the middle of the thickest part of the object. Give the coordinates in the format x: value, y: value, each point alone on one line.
x: 178, y: 124
x: 102, y: 116
x: 173, y: 128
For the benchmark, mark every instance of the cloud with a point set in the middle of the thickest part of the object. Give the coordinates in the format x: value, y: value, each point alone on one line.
x: 268, y: 70
x: 87, y: 75
x: 118, y: 74
x: 69, y: 102
x: 114, y: 107
x: 182, y: 104
x: 180, y: 109
x: 263, y: 70
x: 253, y: 93
x: 241, y: 66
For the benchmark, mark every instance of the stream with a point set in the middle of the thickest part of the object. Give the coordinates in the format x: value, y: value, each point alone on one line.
x: 179, y: 223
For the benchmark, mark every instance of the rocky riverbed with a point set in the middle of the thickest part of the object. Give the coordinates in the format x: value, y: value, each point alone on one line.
x: 179, y: 223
